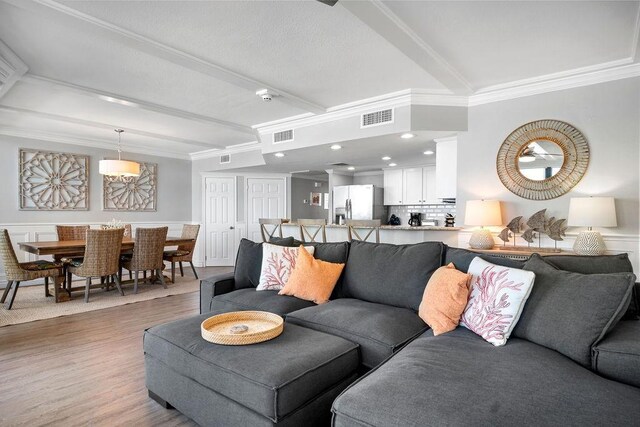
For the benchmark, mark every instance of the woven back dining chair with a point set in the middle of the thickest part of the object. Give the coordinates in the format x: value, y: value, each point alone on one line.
x: 17, y: 272
x: 184, y: 253
x: 315, y: 226
x: 264, y: 227
x: 372, y: 225
x: 147, y: 255
x: 101, y: 258
x: 72, y: 232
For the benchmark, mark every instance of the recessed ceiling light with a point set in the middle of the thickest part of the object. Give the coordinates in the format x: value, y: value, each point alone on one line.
x: 428, y: 152
x: 407, y: 136
x: 385, y: 158
x: 392, y: 164
x: 279, y: 154
x: 336, y: 147
x: 351, y: 168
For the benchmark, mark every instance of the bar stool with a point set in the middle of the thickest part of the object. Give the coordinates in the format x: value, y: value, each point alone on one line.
x: 306, y: 224
x: 277, y: 226
x: 371, y: 224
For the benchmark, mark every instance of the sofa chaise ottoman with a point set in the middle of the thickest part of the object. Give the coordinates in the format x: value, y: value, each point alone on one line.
x: 290, y: 380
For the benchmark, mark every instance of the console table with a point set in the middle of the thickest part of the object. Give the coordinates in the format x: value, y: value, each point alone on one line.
x: 520, y: 255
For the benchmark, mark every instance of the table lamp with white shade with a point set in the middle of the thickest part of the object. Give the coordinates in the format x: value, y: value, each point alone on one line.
x: 483, y: 213
x: 591, y: 212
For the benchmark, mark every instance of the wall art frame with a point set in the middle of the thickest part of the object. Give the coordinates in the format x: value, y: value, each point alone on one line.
x: 52, y: 181
x: 136, y: 194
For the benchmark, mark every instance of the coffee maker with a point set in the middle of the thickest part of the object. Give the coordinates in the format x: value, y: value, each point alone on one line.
x: 415, y: 219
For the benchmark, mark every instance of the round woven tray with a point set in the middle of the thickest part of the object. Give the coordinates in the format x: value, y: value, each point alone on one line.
x: 250, y: 327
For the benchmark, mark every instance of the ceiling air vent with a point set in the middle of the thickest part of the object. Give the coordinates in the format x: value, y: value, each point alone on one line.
x: 339, y: 164
x: 225, y: 158
x: 377, y: 118
x: 283, y: 136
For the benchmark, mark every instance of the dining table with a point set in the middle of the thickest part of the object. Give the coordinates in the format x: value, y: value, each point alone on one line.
x: 65, y: 248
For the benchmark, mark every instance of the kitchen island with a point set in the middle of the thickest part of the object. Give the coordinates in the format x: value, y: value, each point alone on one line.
x: 396, y: 234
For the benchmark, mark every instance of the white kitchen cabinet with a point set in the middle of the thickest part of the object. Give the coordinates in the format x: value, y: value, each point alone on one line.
x: 446, y: 168
x: 412, y: 186
x: 393, y: 187
x: 429, y: 185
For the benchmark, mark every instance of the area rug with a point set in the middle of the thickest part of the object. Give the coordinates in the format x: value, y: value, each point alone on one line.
x: 31, y: 304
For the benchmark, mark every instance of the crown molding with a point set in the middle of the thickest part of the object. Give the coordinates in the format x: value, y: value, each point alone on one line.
x: 234, y: 149
x: 369, y: 173
x: 11, y: 66
x: 99, y: 125
x: 453, y: 138
x: 163, y: 51
x: 579, y: 77
x: 134, y: 103
x: 86, y: 142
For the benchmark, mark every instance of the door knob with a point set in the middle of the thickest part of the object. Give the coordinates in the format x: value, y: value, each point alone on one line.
x: 232, y: 228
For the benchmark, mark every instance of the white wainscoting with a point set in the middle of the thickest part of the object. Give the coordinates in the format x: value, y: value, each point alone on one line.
x: 616, y: 243
x: 40, y: 232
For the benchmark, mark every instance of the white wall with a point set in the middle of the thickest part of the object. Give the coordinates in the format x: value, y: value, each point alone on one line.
x: 174, y: 187
x: 607, y: 114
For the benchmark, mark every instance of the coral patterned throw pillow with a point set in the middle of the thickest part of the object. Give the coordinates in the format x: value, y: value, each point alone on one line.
x: 277, y: 263
x: 496, y: 300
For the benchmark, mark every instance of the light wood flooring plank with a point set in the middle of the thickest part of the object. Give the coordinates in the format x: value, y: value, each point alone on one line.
x: 88, y: 368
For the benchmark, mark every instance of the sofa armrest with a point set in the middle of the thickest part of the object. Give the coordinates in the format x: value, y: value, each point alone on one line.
x: 617, y: 356
x: 212, y: 286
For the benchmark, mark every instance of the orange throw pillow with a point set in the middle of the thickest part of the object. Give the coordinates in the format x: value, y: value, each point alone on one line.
x: 445, y: 299
x: 312, y: 279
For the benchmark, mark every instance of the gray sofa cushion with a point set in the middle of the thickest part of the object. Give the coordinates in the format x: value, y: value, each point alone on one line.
x: 591, y: 264
x: 249, y: 258
x: 272, y: 378
x: 248, y: 263
x: 617, y: 356
x: 571, y: 312
x: 458, y: 379
x: 599, y: 265
x: 462, y: 258
x: 379, y: 329
x: 250, y: 299
x: 390, y: 274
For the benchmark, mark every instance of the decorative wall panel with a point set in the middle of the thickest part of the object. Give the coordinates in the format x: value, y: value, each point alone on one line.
x: 138, y: 194
x: 53, y: 181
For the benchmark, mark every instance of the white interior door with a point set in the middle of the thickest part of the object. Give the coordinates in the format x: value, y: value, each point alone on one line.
x: 220, y: 221
x: 266, y: 198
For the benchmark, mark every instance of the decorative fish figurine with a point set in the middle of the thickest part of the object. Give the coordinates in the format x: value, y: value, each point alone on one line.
x: 504, y: 235
x: 557, y: 229
x: 529, y: 235
x: 538, y: 220
x: 514, y: 225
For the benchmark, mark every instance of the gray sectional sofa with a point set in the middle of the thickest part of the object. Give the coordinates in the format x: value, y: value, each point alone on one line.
x: 573, y: 359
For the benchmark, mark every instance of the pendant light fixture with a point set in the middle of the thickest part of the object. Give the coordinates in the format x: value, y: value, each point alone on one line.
x: 122, y: 170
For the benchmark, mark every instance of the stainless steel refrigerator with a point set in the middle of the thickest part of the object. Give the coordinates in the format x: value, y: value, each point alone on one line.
x: 358, y: 202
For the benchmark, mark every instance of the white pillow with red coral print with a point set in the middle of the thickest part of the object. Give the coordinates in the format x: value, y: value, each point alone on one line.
x: 496, y: 300
x: 277, y: 263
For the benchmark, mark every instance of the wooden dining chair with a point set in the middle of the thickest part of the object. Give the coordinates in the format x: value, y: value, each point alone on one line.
x: 101, y: 258
x: 373, y: 225
x: 307, y: 226
x: 17, y: 272
x: 184, y: 253
x: 264, y: 231
x: 147, y: 255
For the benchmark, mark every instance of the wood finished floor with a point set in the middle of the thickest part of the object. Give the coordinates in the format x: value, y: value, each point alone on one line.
x: 87, y: 368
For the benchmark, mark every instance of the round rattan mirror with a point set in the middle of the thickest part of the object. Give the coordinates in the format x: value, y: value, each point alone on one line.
x: 543, y: 160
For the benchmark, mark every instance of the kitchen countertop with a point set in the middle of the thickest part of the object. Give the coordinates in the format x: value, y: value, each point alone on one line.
x: 396, y: 227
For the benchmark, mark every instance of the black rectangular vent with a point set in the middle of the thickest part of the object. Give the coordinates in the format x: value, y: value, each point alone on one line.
x: 225, y: 158
x: 283, y: 136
